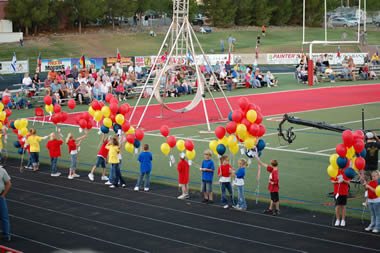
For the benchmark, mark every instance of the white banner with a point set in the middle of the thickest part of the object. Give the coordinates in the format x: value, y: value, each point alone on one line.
x: 294, y: 58
x: 333, y: 57
x: 283, y: 58
x: 21, y: 67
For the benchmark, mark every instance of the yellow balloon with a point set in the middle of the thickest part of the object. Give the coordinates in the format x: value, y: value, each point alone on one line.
x: 1, y: 125
x: 333, y: 159
x: 18, y: 124
x: 331, y: 171
x: 234, y: 148
x: 251, y: 116
x: 213, y: 144
x: 350, y: 152
x: 106, y: 111
x: 241, y: 130
x: 231, y: 140
x: 98, y: 116
x: 91, y: 111
x: 224, y: 141
x: 165, y: 148
x: 180, y: 145
x: 107, y: 122
x: 47, y: 108
x: 129, y: 147
x: 190, y: 154
x: 378, y: 191
x: 24, y: 131
x: 24, y: 123
x: 119, y: 119
x: 131, y: 130
x: 2, y: 115
x: 1, y: 106
x: 250, y: 142
x: 51, y: 108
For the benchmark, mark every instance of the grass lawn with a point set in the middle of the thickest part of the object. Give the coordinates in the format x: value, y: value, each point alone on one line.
x: 304, y: 180
x: 104, y: 44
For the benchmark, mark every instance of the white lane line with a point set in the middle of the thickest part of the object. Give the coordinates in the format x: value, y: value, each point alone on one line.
x: 201, y: 215
x: 70, y: 231
x: 159, y: 220
x: 297, y: 151
x: 324, y: 150
x: 191, y: 137
x: 285, y: 146
x: 40, y: 243
x: 300, y: 149
x: 107, y: 224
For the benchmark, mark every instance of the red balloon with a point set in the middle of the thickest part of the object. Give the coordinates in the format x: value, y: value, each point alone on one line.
x: 8, y: 112
x: 101, y: 104
x: 360, y: 163
x: 114, y: 108
x: 125, y: 127
x: 240, y: 140
x: 109, y: 96
x: 231, y: 127
x: 48, y: 100
x: 358, y: 134
x: 220, y: 132
x: 348, y: 138
x: 131, y: 138
x: 57, y: 108
x: 259, y: 118
x: 341, y: 150
x: 359, y: 146
x: 83, y: 123
x: 171, y: 141
x: 237, y: 116
x: 114, y: 101
x: 252, y: 107
x: 254, y: 129
x: 139, y: 134
x: 71, y: 104
x: 112, y: 117
x: 261, y: 130
x: 87, y: 116
x: 164, y: 130
x: 15, y: 131
x: 64, y: 116
x: 246, y: 123
x: 89, y: 125
x: 189, y: 145
x: 243, y: 103
x: 55, y: 119
x: 95, y: 105
x: 124, y: 109
x: 6, y: 100
x: 5, y: 121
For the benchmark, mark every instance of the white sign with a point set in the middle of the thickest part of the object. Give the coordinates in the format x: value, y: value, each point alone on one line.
x: 283, y: 58
x: 333, y: 57
x: 21, y: 67
x: 294, y: 58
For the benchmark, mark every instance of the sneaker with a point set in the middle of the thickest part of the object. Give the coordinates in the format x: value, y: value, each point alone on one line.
x: 76, y: 175
x: 108, y: 183
x: 136, y: 189
x: 182, y: 196
x: 225, y: 206
x: 70, y: 177
x: 123, y: 185
x: 105, y: 178
x: 210, y: 202
x: 112, y: 186
x: 236, y: 207
x: 57, y: 174
x: 368, y: 229
x: 337, y: 223
x: 268, y: 211
x: 343, y: 223
x: 204, y: 200
x: 276, y: 213
x: 91, y: 176
x: 146, y: 189
x: 375, y: 231
x: 187, y: 196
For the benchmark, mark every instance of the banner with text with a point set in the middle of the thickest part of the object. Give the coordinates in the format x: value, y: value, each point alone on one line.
x: 56, y: 64
x: 21, y: 67
x: 125, y: 61
x: 97, y: 62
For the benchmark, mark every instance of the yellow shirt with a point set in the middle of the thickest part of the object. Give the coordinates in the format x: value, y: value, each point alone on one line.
x: 1, y: 141
x: 112, y: 154
x: 34, y: 143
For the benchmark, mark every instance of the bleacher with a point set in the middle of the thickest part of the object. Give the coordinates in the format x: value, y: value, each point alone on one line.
x: 322, y: 77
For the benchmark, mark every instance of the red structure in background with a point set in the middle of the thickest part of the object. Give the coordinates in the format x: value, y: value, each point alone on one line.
x: 4, y: 249
x: 310, y: 73
x: 3, y: 3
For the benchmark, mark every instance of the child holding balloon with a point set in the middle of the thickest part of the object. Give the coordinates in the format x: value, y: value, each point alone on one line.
x: 207, y: 177
x: 239, y: 182
x: 113, y: 148
x: 54, y: 147
x: 74, y: 145
x: 374, y: 203
x: 34, y: 143
x: 340, y: 183
x: 273, y: 186
x: 145, y: 159
x: 183, y: 178
x: 224, y: 171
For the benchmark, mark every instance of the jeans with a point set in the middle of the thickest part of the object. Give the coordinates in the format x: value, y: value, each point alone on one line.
x: 30, y: 162
x: 229, y: 85
x: 375, y: 215
x: 22, y: 102
x: 112, y: 172
x: 267, y: 80
x: 255, y: 83
x: 73, y: 162
x: 54, y: 161
x: 332, y: 78
x: 141, y: 177
x: 116, y: 174
x: 241, y: 199
x: 223, y: 187
x: 364, y: 76
x: 4, y: 217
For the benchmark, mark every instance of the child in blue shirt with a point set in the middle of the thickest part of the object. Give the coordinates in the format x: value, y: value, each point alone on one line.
x: 145, y: 159
x: 239, y: 182
x: 207, y: 177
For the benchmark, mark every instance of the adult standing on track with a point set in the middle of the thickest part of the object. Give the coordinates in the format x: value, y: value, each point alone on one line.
x: 372, y: 157
x: 5, y: 185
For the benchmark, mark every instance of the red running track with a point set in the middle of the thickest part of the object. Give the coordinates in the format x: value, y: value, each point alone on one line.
x: 271, y: 104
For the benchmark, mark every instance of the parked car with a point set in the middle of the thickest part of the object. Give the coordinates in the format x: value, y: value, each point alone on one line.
x: 376, y: 21
x: 198, y: 20
x: 339, y: 21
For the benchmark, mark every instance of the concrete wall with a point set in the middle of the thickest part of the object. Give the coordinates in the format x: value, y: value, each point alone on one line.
x: 5, y: 26
x: 10, y: 37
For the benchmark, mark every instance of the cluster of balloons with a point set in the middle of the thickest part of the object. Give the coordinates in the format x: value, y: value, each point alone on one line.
x: 4, y: 114
x: 19, y: 127
x: 59, y: 116
x: 49, y: 108
x: 349, y: 155
x: 172, y: 142
x: 134, y: 139
x: 244, y: 126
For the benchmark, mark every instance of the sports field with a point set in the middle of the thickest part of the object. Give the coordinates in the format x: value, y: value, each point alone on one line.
x: 304, y: 182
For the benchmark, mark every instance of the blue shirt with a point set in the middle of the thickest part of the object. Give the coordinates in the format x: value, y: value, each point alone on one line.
x: 76, y: 85
x: 55, y: 87
x: 208, y: 175
x: 240, y: 173
x: 145, y: 159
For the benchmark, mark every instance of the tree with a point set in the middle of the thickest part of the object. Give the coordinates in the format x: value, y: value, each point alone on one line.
x: 142, y: 7
x: 85, y: 10
x: 221, y: 12
x: 40, y: 13
x: 262, y: 12
x: 244, y: 13
x: 282, y: 12
x: 19, y: 12
x: 119, y: 8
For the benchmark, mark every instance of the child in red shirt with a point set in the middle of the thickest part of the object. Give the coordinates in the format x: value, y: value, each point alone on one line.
x: 183, y: 178
x: 54, y: 147
x: 224, y: 172
x: 374, y: 203
x: 341, y: 183
x: 73, y: 145
x: 273, y: 187
x: 101, y: 160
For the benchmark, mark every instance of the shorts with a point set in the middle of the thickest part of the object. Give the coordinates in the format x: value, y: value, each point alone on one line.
x: 341, y: 200
x: 100, y: 162
x: 182, y: 185
x: 274, y: 196
x: 206, y: 186
x: 35, y: 158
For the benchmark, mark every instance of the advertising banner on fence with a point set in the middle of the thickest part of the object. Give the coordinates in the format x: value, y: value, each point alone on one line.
x: 21, y: 67
x: 125, y: 61
x: 283, y: 58
x: 294, y: 58
x: 56, y: 64
x: 333, y: 58
x: 98, y: 62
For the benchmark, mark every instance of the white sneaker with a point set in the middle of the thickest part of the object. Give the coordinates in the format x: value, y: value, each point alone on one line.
x: 182, y: 196
x: 136, y: 189
x: 112, y: 186
x: 337, y: 223
x: 187, y: 196
x: 375, y: 231
x: 108, y: 183
x: 146, y: 189
x: 342, y: 223
x: 368, y: 229
x: 225, y: 206
x: 104, y: 178
x: 76, y: 175
x: 91, y: 176
x: 123, y: 185
x: 57, y: 174
x: 70, y: 177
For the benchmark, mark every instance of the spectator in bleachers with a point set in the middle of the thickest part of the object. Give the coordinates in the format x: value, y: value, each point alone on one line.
x: 27, y: 82
x: 319, y: 66
x: 74, y: 71
x: 113, y: 68
x: 270, y: 79
x: 68, y: 72
x: 92, y: 69
x: 367, y: 59
x: 133, y: 77
x: 346, y: 72
x: 339, y: 61
x: 325, y: 61
x: 55, y: 86
x: 120, y: 92
x: 139, y: 71
x: 63, y: 92
x: 330, y: 74
x: 375, y: 59
x: 70, y: 87
x: 20, y: 101
x: 59, y: 76
x: 36, y: 82
x: 352, y: 68
x: 76, y: 83
x: 202, y: 68
x: 252, y: 80
x: 228, y: 67
x: 52, y: 74
x: 47, y: 85
x: 131, y: 68
x: 364, y: 72
x: 98, y: 81
x: 222, y: 66
x: 101, y: 71
x: 82, y: 93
